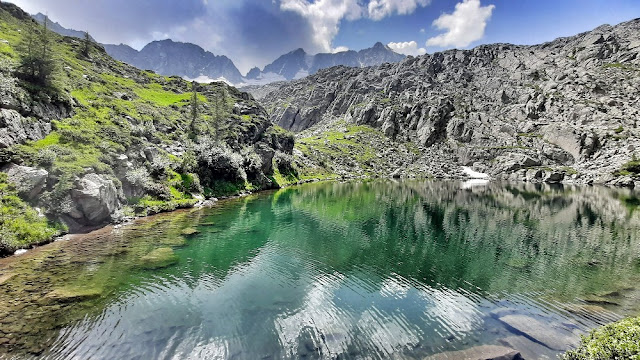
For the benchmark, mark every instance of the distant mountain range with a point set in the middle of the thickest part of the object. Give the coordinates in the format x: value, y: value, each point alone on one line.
x: 168, y: 57
x: 298, y: 64
x: 56, y: 27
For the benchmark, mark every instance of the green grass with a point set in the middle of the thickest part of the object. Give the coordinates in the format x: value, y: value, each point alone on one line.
x: 630, y: 168
x: 358, y: 144
x: 158, y: 96
x: 619, y: 340
x: 531, y: 135
x: 620, y: 66
x: 569, y: 170
x: 341, y: 144
x: 20, y: 225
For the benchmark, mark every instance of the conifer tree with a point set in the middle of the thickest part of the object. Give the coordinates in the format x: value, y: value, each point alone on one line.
x: 195, y: 114
x: 86, y: 44
x: 36, y: 57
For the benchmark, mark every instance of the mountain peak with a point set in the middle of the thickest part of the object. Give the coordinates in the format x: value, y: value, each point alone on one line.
x: 298, y: 51
x: 379, y: 45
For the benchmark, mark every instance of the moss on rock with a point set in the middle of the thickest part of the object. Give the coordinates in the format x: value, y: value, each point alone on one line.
x: 159, y: 258
x: 73, y: 294
x: 189, y: 231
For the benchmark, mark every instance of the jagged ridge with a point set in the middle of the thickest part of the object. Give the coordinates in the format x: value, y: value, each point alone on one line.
x: 563, y: 110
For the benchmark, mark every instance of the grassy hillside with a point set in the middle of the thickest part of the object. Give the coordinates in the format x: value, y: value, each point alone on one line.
x: 134, y: 129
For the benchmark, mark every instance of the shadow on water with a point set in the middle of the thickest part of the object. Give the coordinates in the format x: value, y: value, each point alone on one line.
x: 356, y: 270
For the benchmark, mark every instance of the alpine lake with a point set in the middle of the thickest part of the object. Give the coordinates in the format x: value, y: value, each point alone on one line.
x: 355, y: 270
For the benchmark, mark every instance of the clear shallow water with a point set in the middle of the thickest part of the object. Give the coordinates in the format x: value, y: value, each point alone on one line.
x: 355, y: 270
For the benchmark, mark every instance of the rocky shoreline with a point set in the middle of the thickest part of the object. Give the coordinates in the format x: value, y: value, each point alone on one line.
x: 211, y: 202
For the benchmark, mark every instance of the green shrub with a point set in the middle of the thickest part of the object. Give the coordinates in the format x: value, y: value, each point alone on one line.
x: 20, y: 225
x: 630, y: 168
x: 619, y: 340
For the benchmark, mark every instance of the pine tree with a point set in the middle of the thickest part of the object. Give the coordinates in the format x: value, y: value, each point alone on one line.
x: 195, y: 114
x: 220, y: 110
x: 86, y: 44
x: 36, y: 58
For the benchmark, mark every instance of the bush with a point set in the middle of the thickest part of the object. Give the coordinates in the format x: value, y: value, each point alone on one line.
x: 284, y: 162
x: 221, y: 162
x: 619, y: 340
x: 20, y: 225
x: 47, y: 157
x: 138, y: 176
x: 252, y: 162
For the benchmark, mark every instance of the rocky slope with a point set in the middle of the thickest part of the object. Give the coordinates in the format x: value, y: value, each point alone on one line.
x: 566, y: 110
x: 173, y: 58
x: 104, y: 140
x: 297, y: 64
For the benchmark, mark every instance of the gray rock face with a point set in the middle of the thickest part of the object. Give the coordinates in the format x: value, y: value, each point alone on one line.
x: 95, y: 198
x: 15, y: 129
x: 29, y: 181
x: 572, y: 102
x: 513, y: 161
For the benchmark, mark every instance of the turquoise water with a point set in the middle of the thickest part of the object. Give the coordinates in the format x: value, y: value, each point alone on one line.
x: 356, y: 270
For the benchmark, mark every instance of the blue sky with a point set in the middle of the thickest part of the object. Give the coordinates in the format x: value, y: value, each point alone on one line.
x: 255, y: 32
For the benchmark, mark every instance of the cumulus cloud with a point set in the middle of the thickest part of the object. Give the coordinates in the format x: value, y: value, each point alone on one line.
x: 339, y: 49
x: 407, y: 48
x: 324, y: 17
x: 379, y: 9
x: 464, y: 26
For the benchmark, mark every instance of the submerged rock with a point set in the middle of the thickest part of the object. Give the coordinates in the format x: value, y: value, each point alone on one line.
x: 599, y: 300
x: 189, y: 231
x: 6, y: 277
x: 72, y: 294
x: 484, y: 352
x: 528, y: 348
x: 159, y: 258
x: 174, y: 241
x: 550, y: 336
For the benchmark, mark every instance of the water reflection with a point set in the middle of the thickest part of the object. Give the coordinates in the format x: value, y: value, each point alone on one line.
x: 355, y: 270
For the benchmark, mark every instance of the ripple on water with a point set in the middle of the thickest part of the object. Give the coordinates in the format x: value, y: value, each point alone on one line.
x: 370, y: 271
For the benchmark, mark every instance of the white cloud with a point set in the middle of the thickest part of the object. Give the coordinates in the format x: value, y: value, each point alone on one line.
x: 339, y: 49
x: 324, y: 16
x: 407, y: 48
x: 379, y: 9
x: 464, y: 26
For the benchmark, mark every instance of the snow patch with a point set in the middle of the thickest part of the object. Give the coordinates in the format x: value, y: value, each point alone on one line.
x: 263, y: 79
x: 474, y: 174
x: 203, y: 79
x: 474, y: 183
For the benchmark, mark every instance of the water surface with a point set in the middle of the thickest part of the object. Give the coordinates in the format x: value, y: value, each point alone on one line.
x: 361, y: 270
